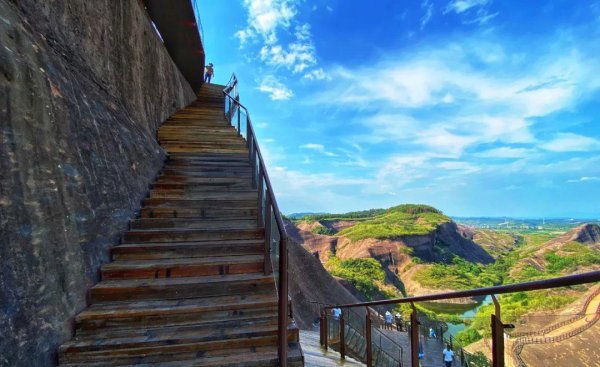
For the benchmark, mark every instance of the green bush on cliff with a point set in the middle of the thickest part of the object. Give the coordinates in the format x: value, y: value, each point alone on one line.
x: 323, y: 230
x: 361, y: 273
x: 461, y: 274
x: 402, y: 220
x: 572, y: 256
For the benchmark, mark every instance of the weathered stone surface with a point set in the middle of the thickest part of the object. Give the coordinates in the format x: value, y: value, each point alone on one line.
x: 83, y: 87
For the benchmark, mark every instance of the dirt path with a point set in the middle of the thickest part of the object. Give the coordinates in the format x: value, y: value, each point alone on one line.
x: 590, y: 315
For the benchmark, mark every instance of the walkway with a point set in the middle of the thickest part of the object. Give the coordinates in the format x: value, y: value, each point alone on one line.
x: 315, y: 356
x: 187, y: 287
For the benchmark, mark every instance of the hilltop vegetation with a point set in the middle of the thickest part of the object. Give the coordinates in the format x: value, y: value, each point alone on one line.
x: 416, y: 249
x: 402, y: 220
x: 366, y: 275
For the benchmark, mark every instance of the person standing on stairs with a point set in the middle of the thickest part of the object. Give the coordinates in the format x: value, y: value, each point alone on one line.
x: 209, y: 72
x: 448, y: 356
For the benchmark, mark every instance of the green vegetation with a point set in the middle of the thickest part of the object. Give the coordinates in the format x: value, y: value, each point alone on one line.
x: 363, y: 214
x: 364, y: 274
x: 323, y: 230
x: 461, y: 274
x: 572, y: 255
x: 397, y: 221
x: 514, y: 306
x: 496, y: 243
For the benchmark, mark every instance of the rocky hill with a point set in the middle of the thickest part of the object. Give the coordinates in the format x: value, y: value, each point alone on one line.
x: 575, y: 251
x: 401, y: 239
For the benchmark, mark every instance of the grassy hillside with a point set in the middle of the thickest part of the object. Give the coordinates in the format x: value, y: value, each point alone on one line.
x: 496, y: 243
x: 402, y: 220
x: 366, y: 275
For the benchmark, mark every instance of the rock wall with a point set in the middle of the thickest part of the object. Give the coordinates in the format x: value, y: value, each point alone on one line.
x: 83, y: 87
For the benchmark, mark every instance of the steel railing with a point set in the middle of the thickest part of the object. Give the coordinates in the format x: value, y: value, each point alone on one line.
x: 496, y: 323
x: 269, y: 216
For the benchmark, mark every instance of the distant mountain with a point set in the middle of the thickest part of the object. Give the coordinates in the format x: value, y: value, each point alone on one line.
x: 575, y: 251
x: 301, y: 215
x: 399, y: 239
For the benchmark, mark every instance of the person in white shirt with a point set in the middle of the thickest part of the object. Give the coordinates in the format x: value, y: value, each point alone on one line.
x: 388, y: 320
x: 448, y: 356
x: 336, y: 313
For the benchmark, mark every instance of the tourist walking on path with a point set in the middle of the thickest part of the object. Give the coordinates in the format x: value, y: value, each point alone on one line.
x: 398, y: 321
x: 209, y: 72
x: 448, y: 356
x: 388, y: 320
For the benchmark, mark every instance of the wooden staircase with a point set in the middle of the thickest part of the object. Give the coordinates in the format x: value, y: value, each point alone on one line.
x: 187, y: 286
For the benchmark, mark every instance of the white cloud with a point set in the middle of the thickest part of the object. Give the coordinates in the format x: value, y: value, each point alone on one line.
x: 484, y: 105
x: 319, y: 148
x: 461, y: 6
x: 569, y: 142
x: 506, y: 152
x: 275, y: 89
x: 584, y: 179
x: 317, y: 74
x: 427, y: 5
x: 313, y: 146
x: 265, y: 19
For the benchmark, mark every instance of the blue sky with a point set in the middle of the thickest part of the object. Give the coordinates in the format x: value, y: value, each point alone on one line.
x: 477, y: 107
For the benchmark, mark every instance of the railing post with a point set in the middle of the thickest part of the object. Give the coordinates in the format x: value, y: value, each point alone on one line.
x: 261, y: 219
x: 253, y: 160
x: 283, y: 301
x: 268, y: 236
x: 239, y: 118
x: 342, y: 341
x: 322, y: 328
x: 369, y: 339
x: 325, y: 329
x: 497, y: 336
x: 414, y: 337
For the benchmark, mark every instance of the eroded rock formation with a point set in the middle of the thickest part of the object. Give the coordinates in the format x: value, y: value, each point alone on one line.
x: 83, y: 87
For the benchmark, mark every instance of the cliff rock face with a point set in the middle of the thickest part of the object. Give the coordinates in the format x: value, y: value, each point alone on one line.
x: 83, y: 87
x: 310, y: 282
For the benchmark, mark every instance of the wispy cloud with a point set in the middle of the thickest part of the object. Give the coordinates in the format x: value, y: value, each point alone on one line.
x: 296, y: 57
x: 485, y: 105
x: 461, y: 6
x: 319, y: 148
x: 274, y: 36
x: 506, y: 152
x: 584, y: 179
x: 569, y: 142
x: 427, y: 6
x: 473, y: 11
x: 276, y: 90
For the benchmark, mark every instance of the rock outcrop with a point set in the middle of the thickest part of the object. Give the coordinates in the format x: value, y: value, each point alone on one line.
x: 83, y: 87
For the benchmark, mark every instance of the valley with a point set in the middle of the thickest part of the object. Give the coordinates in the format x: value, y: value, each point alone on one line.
x: 411, y: 250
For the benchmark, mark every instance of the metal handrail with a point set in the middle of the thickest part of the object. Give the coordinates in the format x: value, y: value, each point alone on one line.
x: 565, y: 281
x: 260, y: 175
x: 496, y: 323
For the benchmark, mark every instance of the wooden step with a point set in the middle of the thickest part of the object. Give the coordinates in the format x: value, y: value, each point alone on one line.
x: 220, y: 185
x: 191, y: 235
x: 208, y: 213
x: 175, y: 288
x: 259, y: 356
x: 177, y: 250
x: 179, y: 148
x: 185, y: 179
x: 220, y: 158
x: 191, y: 192
x: 173, y: 268
x: 246, y: 172
x: 193, y: 223
x: 170, y: 341
x: 196, y: 310
x: 219, y: 202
